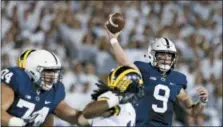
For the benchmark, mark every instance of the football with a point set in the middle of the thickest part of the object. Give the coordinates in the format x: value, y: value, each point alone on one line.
x: 115, y: 23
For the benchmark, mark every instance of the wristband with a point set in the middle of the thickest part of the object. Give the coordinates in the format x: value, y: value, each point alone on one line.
x: 113, y: 41
x: 15, y: 121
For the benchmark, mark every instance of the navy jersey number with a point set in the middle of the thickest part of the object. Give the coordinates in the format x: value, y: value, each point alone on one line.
x: 6, y: 75
x: 164, y: 98
x: 37, y: 117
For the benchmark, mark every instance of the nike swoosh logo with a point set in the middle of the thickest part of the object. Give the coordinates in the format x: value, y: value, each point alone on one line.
x: 47, y: 102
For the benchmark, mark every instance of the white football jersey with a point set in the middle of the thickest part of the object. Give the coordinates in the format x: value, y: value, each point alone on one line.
x: 126, y: 117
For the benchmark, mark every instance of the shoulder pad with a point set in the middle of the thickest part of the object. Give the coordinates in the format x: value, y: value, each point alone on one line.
x: 143, y: 66
x: 13, y: 77
x: 59, y: 91
x: 181, y: 79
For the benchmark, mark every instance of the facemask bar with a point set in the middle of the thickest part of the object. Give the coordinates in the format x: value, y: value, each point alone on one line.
x: 57, y: 77
x: 163, y: 68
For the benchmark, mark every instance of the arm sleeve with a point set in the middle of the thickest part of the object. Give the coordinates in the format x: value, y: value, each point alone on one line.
x: 182, y: 83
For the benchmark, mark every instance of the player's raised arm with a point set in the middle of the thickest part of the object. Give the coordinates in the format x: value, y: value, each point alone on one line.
x: 193, y: 109
x: 119, y: 54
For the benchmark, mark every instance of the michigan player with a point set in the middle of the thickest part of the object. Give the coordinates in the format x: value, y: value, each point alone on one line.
x: 21, y: 61
x: 163, y: 86
x: 123, y: 82
x: 32, y: 92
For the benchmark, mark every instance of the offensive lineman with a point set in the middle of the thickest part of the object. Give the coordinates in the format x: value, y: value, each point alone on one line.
x: 32, y: 92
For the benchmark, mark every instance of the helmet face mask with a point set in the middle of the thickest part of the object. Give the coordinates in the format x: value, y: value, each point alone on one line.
x: 164, y: 60
x: 44, y: 68
x: 48, y: 78
x: 162, y: 54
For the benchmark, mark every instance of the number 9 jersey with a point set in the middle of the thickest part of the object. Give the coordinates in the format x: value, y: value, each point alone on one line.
x: 28, y: 103
x: 156, y: 107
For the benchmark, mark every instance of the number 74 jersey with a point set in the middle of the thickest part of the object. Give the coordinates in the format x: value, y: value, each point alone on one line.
x: 28, y: 104
x: 156, y: 107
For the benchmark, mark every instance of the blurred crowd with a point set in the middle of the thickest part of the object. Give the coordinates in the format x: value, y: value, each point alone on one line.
x: 74, y: 31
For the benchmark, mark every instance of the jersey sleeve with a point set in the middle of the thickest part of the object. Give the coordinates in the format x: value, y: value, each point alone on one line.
x: 138, y: 65
x: 60, y: 93
x: 142, y: 66
x: 183, y: 81
x: 10, y: 77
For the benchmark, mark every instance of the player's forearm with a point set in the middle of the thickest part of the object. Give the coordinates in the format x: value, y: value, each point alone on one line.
x: 95, y: 109
x: 8, y: 120
x: 82, y: 121
x: 72, y: 117
x: 5, y: 118
x: 195, y: 109
x: 49, y: 121
x: 119, y: 54
x: 67, y: 113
